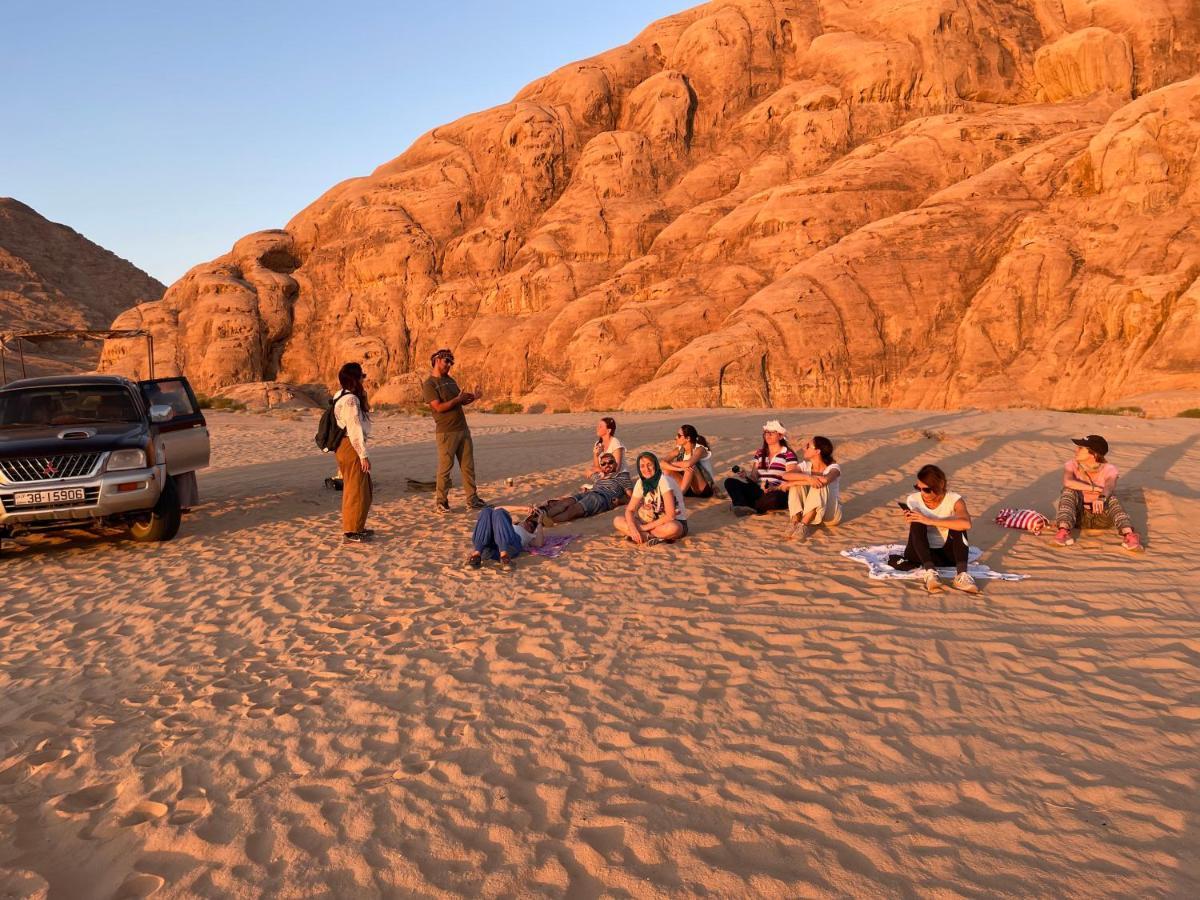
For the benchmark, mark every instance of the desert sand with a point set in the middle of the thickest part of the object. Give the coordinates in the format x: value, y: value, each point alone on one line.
x: 257, y: 710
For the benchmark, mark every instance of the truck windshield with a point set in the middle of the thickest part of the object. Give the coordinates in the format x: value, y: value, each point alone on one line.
x: 67, y: 405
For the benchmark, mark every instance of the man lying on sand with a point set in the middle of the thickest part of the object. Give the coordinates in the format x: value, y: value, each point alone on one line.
x: 608, y: 490
x: 1089, y: 484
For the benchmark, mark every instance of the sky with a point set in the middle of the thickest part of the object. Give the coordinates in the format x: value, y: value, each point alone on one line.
x: 165, y: 131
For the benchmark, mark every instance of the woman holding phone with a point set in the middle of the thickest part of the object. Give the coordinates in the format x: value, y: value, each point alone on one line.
x: 938, y: 522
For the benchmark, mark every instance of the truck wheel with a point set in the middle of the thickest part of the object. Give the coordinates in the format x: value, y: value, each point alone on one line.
x: 162, y: 522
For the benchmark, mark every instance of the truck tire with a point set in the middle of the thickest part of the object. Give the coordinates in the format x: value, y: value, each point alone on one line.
x: 162, y: 522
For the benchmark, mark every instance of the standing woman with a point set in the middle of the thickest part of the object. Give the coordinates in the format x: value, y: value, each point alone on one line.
x: 764, y: 490
x: 692, y: 465
x: 352, y: 414
x: 607, y: 442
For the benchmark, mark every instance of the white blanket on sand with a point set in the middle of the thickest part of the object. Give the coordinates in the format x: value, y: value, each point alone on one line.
x: 876, y: 560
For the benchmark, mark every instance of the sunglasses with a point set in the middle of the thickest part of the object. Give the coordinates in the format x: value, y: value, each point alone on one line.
x: 924, y: 490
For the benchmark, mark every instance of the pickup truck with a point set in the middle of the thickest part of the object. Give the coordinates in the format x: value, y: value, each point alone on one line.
x: 99, y: 450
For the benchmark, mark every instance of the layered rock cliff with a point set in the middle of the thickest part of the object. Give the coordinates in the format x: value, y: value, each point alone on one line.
x: 53, y: 278
x: 926, y: 203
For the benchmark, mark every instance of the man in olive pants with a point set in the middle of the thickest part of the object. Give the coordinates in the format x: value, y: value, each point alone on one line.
x: 447, y: 400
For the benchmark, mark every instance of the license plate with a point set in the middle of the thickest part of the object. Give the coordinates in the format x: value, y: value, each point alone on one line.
x: 38, y: 498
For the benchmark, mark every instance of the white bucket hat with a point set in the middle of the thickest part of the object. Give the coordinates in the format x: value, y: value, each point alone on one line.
x: 775, y: 425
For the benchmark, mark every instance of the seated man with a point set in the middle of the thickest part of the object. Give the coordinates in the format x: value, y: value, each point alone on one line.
x: 1089, y: 483
x: 608, y: 490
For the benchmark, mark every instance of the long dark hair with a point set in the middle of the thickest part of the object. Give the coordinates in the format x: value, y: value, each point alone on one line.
x: 690, y: 432
x: 765, y: 453
x: 933, y: 477
x: 350, y: 377
x: 825, y: 447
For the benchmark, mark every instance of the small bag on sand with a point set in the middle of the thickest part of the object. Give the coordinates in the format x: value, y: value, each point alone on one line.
x: 1022, y: 520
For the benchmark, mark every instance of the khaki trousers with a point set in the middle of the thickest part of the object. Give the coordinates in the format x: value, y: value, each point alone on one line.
x: 452, y: 445
x: 357, y: 492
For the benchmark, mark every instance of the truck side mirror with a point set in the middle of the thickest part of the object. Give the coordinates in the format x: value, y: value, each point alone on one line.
x: 161, y: 412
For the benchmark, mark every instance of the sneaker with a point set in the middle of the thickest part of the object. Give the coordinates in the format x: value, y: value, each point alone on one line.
x: 653, y: 542
x: 441, y: 506
x: 933, y: 584
x: 476, y: 502
x: 1132, y: 543
x: 1063, y: 538
x: 964, y: 582
x: 353, y: 537
x: 474, y: 561
x: 368, y: 533
x: 742, y: 511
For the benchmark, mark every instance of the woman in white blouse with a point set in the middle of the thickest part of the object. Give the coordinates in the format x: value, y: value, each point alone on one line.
x: 352, y: 414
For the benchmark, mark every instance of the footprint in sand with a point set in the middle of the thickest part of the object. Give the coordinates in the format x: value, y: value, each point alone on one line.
x: 189, y: 809
x: 93, y: 797
x: 15, y: 786
x: 151, y: 754
x: 47, y: 753
x: 146, y: 811
x: 139, y: 884
x: 414, y: 765
x: 181, y: 724
x: 268, y: 783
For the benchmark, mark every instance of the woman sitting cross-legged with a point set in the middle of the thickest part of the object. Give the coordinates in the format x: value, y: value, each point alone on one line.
x: 938, y: 522
x: 813, y: 489
x: 761, y: 489
x: 656, y: 512
x: 692, y: 463
x: 496, y: 537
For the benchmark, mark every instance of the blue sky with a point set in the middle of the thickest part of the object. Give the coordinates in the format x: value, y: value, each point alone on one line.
x: 164, y: 131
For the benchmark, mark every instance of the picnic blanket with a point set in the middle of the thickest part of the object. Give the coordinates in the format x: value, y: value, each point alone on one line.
x: 876, y: 560
x: 554, y: 546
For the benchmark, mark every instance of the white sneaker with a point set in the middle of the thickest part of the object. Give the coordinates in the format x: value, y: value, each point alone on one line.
x: 964, y: 582
x: 932, y: 583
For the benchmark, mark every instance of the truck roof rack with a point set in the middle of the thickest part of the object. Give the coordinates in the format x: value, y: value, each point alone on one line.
x: 16, y: 340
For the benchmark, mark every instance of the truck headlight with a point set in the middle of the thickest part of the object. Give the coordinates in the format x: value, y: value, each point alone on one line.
x: 126, y: 459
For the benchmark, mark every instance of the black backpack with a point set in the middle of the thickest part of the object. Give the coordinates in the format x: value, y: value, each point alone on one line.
x: 329, y: 434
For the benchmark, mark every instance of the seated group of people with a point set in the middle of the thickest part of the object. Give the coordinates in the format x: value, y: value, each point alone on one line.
x: 808, y: 488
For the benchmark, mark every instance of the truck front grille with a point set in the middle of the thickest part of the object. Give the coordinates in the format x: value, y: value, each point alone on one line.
x: 29, y: 469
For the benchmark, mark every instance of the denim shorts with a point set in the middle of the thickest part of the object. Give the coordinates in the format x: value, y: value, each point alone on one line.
x: 593, y: 503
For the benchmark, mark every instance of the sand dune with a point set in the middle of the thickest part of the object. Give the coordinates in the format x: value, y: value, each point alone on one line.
x: 255, y: 709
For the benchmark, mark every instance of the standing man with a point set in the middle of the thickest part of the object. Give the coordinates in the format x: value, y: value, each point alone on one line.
x: 447, y: 400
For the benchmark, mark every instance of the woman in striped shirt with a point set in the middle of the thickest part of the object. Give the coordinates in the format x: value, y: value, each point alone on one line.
x: 762, y: 489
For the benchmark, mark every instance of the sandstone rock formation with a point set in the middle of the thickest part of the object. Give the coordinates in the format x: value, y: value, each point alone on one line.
x: 53, y: 278
x: 934, y: 203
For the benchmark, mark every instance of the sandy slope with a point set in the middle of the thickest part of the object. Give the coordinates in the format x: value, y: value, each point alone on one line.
x: 255, y: 709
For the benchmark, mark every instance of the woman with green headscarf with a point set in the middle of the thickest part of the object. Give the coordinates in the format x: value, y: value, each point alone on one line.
x: 656, y: 513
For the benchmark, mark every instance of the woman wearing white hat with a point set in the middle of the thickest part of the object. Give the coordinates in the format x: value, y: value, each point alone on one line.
x: 762, y: 489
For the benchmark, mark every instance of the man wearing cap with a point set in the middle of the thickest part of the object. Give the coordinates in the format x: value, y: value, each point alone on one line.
x: 447, y: 400
x: 1089, y: 483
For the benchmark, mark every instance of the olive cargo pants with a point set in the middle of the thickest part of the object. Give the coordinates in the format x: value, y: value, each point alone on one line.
x: 452, y: 445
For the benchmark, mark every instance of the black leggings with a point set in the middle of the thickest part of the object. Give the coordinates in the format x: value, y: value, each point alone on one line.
x: 747, y: 493
x: 919, y: 553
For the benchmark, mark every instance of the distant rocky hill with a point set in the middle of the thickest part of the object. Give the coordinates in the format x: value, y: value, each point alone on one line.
x: 792, y: 202
x: 53, y: 278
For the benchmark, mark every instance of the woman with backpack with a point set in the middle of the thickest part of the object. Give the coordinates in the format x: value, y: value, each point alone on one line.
x: 351, y: 414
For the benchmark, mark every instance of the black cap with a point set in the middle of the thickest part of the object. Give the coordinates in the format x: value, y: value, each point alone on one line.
x: 444, y: 353
x: 1093, y: 442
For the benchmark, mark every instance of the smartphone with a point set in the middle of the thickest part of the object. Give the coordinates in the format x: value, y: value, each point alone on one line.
x: 903, y: 507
